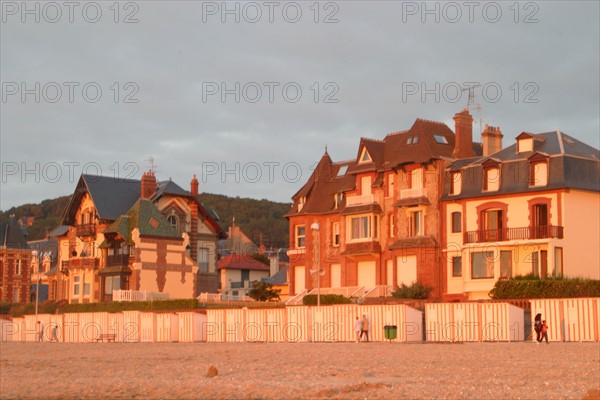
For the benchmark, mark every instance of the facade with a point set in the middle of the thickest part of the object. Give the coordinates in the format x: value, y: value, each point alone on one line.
x: 95, y: 260
x: 15, y: 263
x: 238, y: 271
x: 530, y: 208
x: 44, y: 258
x: 237, y: 242
x: 376, y: 219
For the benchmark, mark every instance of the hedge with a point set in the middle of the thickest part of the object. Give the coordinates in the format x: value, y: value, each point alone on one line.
x: 414, y: 291
x: 116, y: 306
x: 545, y: 288
x: 311, y: 299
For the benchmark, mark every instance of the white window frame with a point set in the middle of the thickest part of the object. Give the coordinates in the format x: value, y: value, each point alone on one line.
x: 18, y: 266
x: 455, y: 183
x: 420, y: 230
x: 335, y: 234
x: 491, y: 184
x: 539, y: 176
x: 297, y: 236
x: 372, y: 227
x: 76, y: 283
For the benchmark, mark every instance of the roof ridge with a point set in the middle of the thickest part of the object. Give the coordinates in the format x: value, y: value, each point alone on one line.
x: 430, y: 121
x: 372, y: 140
x: 397, y: 133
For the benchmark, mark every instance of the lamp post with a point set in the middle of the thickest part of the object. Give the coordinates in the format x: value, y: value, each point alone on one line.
x: 315, y: 228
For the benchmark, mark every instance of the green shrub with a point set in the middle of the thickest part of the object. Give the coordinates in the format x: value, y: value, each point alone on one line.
x: 311, y: 299
x: 519, y: 288
x: 414, y: 291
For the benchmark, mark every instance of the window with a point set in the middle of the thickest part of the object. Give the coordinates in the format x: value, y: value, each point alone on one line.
x: 492, y: 225
x: 538, y: 174
x: 301, y: 202
x: 535, y: 263
x: 391, y: 219
x: 365, y: 185
x: 416, y: 178
x: 441, y: 139
x: 412, y: 140
x: 172, y: 219
x: 455, y: 183
x: 18, y: 266
x: 539, y: 220
x: 524, y: 145
x: 339, y: 197
x: 505, y: 263
x: 456, y: 222
x: 491, y: 179
x: 390, y: 185
x: 482, y: 265
x: 300, y: 236
x: 558, y: 262
x: 111, y: 283
x: 76, y: 285
x: 361, y: 227
x: 416, y: 223
x: 335, y: 233
x: 364, y: 156
x: 131, y: 250
x: 342, y: 170
x: 456, y: 266
x: 86, y: 284
x: 203, y: 259
x: 16, y: 295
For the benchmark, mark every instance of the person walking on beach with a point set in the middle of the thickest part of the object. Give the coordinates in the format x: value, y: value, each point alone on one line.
x: 357, y: 329
x: 54, y: 335
x: 544, y: 332
x: 365, y: 327
x: 537, y: 326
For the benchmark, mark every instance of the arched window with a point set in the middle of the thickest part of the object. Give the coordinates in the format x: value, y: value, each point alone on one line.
x: 172, y: 219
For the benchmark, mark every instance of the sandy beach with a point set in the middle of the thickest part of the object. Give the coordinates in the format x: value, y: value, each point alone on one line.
x: 300, y: 370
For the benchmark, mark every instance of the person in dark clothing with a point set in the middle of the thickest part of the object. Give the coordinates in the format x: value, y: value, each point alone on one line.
x: 537, y: 326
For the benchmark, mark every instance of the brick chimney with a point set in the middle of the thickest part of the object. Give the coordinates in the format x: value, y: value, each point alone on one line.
x: 492, y: 140
x: 194, y: 186
x: 463, y: 131
x: 148, y: 185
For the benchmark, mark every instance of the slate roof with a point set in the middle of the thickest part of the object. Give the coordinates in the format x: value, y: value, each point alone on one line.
x: 170, y: 187
x: 279, y: 278
x: 144, y: 216
x: 572, y: 164
x: 112, y: 196
x: 11, y: 235
x: 239, y: 261
x: 46, y: 247
x: 392, y: 152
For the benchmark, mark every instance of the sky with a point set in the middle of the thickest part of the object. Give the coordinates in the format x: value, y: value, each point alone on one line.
x: 248, y: 95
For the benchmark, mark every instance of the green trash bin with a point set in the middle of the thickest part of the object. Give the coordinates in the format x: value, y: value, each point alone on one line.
x: 390, y: 332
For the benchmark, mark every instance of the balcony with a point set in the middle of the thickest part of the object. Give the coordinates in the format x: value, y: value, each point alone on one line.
x: 525, y: 233
x: 240, y: 285
x: 413, y: 193
x: 85, y: 229
x: 359, y: 200
x: 80, y: 263
x: 117, y: 260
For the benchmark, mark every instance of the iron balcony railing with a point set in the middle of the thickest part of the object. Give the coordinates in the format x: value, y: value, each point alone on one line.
x: 524, y: 233
x: 85, y: 229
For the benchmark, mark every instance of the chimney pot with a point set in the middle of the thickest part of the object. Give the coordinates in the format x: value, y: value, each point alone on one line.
x: 492, y: 140
x: 194, y: 186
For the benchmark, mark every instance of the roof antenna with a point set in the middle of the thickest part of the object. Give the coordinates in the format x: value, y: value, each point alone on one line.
x: 471, y: 103
x: 153, y: 168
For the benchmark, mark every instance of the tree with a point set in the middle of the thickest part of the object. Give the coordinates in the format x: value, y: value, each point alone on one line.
x: 262, y: 291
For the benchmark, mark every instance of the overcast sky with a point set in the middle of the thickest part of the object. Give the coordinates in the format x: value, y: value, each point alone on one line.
x: 249, y: 106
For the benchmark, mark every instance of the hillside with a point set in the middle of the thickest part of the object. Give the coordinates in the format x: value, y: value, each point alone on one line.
x: 254, y: 217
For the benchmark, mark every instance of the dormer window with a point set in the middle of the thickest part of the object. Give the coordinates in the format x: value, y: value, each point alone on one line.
x: 412, y: 139
x: 524, y: 142
x: 538, y: 170
x: 491, y: 179
x: 538, y: 174
x: 455, y: 183
x: 172, y: 220
x: 491, y: 175
x: 338, y: 198
x: 365, y: 157
x: 342, y: 170
x: 301, y: 202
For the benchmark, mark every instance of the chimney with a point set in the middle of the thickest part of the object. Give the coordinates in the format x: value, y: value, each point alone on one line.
x: 463, y: 131
x: 194, y: 186
x: 492, y: 140
x: 148, y: 185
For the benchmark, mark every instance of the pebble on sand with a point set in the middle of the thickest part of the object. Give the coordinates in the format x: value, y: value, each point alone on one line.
x: 212, y: 371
